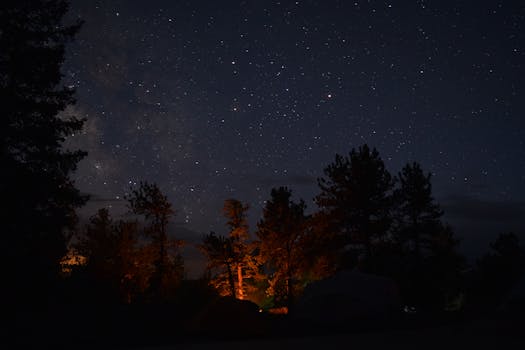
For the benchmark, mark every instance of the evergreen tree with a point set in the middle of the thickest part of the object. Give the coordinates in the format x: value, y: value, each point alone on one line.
x: 417, y: 215
x: 35, y: 180
x: 99, y: 243
x: 499, y: 270
x: 245, y: 263
x: 116, y: 265
x: 355, y: 198
x: 429, y: 267
x: 147, y: 200
x: 220, y: 254
x: 282, y: 233
x: 231, y: 260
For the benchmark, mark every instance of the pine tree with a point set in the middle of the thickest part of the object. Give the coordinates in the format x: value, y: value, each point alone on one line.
x: 115, y: 264
x: 282, y: 234
x: 35, y: 183
x: 355, y: 199
x: 147, y: 200
x: 231, y: 259
x: 235, y: 212
x: 430, y: 266
x: 417, y: 215
x: 221, y: 259
x: 499, y: 270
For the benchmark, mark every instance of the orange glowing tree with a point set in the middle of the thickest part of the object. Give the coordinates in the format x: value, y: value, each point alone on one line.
x: 282, y: 236
x: 231, y: 260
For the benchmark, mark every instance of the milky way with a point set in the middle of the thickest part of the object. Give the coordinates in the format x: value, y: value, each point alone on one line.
x: 214, y: 100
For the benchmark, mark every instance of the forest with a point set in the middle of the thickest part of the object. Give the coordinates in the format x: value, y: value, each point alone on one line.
x: 123, y: 280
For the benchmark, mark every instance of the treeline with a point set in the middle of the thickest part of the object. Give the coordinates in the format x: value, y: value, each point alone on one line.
x: 367, y: 220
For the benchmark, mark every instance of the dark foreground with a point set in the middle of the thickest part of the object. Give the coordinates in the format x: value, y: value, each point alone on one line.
x: 496, y: 334
x: 263, y: 331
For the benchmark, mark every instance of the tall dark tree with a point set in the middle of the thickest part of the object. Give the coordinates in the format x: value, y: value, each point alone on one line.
x: 355, y: 198
x: 148, y: 200
x: 499, y: 270
x: 98, y: 244
x: 114, y: 262
x: 417, y: 215
x: 35, y: 185
x: 282, y: 233
x: 220, y: 254
x: 429, y: 268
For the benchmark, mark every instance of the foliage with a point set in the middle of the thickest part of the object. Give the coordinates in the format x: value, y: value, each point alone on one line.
x: 499, y: 270
x: 162, y: 251
x: 282, y: 235
x: 417, y: 217
x: 423, y: 258
x: 231, y: 259
x: 355, y: 199
x: 35, y: 179
x: 220, y: 256
x: 115, y: 261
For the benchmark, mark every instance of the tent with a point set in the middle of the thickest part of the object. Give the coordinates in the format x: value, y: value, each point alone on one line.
x: 348, y: 296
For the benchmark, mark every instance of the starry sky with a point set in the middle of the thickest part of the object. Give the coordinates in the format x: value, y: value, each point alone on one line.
x: 220, y: 99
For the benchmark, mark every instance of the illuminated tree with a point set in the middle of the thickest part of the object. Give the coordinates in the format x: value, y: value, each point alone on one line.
x: 282, y: 232
x: 355, y: 198
x: 245, y: 261
x: 231, y: 258
x: 147, y: 200
x: 221, y: 259
x: 35, y: 181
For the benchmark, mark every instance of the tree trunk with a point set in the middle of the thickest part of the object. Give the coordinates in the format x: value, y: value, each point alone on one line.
x: 239, y: 282
x: 230, y: 280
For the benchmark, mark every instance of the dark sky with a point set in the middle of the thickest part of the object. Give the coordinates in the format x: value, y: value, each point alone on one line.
x: 219, y: 99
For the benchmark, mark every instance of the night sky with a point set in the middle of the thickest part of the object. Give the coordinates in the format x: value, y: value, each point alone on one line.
x: 216, y: 99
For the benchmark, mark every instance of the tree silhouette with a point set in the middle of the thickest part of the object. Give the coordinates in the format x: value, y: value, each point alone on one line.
x: 99, y: 243
x: 441, y: 280
x: 220, y: 254
x: 355, y: 198
x: 115, y: 263
x: 35, y: 180
x: 427, y: 265
x: 147, y: 200
x: 282, y: 232
x: 417, y: 216
x: 499, y: 269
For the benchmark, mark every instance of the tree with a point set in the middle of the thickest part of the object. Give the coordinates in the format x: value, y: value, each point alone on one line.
x: 245, y: 261
x: 428, y: 267
x: 417, y: 215
x: 282, y: 233
x: 220, y: 254
x: 499, y: 270
x: 99, y: 243
x: 231, y: 259
x: 115, y: 264
x: 35, y: 180
x: 147, y: 200
x: 355, y: 198
x: 439, y: 281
